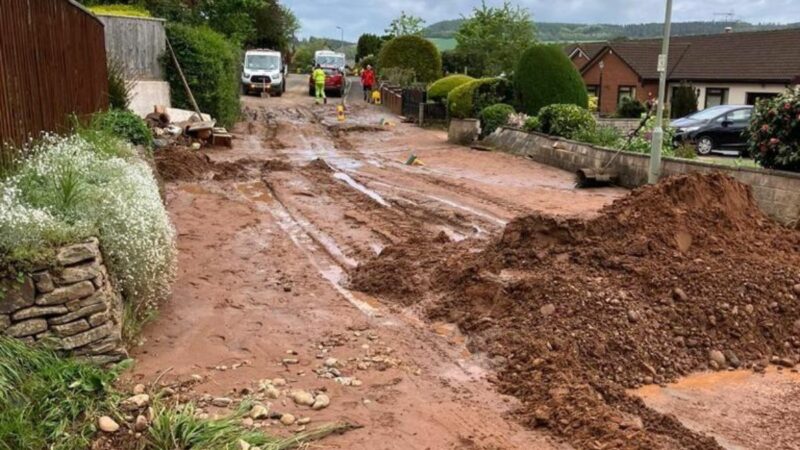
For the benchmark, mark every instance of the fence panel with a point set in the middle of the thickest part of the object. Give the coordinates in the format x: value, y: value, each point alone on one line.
x: 392, y: 98
x: 52, y: 65
x: 138, y: 43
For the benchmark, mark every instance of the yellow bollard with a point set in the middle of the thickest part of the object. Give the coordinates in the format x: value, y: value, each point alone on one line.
x: 376, y: 97
x: 340, y: 113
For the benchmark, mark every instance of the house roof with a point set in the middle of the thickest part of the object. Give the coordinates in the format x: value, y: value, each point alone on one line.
x: 759, y: 56
x: 590, y: 49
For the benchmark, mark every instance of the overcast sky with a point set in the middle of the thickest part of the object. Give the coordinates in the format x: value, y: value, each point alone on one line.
x: 321, y: 17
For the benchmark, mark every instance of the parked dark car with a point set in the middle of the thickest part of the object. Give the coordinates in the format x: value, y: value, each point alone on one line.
x: 716, y: 128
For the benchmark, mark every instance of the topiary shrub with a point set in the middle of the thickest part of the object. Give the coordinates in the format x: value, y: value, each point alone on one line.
x: 124, y: 124
x: 439, y: 90
x: 412, y: 52
x: 459, y: 101
x: 565, y: 120
x: 631, y: 109
x: 211, y: 65
x: 494, y: 117
x: 774, y: 133
x: 545, y: 76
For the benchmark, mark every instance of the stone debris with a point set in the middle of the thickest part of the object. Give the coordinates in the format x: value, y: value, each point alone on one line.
x: 321, y: 401
x: 107, y: 424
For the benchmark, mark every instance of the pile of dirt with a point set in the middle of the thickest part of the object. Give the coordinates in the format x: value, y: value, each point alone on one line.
x: 182, y: 164
x: 675, y: 278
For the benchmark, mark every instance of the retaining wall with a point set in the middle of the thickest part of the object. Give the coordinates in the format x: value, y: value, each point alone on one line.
x: 625, y: 126
x: 72, y: 304
x: 777, y: 193
x: 137, y: 42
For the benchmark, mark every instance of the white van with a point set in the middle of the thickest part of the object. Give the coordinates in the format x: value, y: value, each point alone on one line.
x: 264, y: 70
x: 330, y: 60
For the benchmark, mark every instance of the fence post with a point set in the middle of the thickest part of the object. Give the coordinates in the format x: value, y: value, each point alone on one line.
x: 421, y: 114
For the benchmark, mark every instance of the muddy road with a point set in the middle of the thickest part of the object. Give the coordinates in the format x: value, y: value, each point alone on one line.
x: 265, y: 252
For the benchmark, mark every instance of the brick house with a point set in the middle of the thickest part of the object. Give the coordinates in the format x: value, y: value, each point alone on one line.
x: 728, y: 68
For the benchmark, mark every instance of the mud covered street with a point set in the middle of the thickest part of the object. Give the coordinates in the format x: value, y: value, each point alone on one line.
x: 311, y: 253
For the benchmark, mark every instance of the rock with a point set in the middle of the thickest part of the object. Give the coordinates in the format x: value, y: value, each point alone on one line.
x: 748, y: 309
x: 248, y: 422
x: 67, y: 293
x: 141, y: 423
x: 259, y: 412
x: 289, y: 361
x: 87, y: 337
x: 717, y: 357
x: 278, y: 382
x: 331, y: 362
x: 98, y: 319
x: 43, y: 282
x: 321, y: 402
x: 287, y: 419
x: 221, y: 402
x: 136, y: 402
x: 784, y: 362
x: 302, y: 397
x: 196, y: 377
x: 71, y: 329
x: 85, y: 311
x: 5, y: 322
x: 796, y: 289
x: 542, y: 415
x: 242, y: 445
x: 16, y: 296
x: 139, y: 389
x: 27, y: 328
x: 547, y: 309
x: 77, y: 253
x: 679, y: 295
x: 304, y: 421
x: 107, y: 424
x: 272, y: 392
x: 633, y: 316
x: 732, y: 359
x: 71, y: 275
x: 39, y: 311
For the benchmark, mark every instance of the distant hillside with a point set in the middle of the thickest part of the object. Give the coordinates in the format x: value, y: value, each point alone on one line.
x: 577, y: 32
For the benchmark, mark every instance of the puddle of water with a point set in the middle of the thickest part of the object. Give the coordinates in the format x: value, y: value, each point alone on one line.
x: 361, y: 188
x: 712, y: 381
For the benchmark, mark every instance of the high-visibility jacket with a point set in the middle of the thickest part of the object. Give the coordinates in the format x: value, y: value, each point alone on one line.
x: 319, y: 76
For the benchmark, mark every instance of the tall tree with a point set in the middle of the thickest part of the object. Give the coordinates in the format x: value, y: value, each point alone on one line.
x: 276, y: 27
x: 368, y: 44
x: 499, y: 34
x: 405, y: 25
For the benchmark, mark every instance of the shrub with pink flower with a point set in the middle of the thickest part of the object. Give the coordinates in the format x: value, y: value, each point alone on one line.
x: 774, y: 134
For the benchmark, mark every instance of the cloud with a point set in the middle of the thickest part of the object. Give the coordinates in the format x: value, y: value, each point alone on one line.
x: 321, y: 17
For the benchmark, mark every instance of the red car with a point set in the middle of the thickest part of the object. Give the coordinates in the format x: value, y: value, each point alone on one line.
x: 334, y: 83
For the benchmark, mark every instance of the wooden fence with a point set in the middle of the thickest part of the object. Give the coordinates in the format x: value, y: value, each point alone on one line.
x: 52, y: 65
x: 138, y: 43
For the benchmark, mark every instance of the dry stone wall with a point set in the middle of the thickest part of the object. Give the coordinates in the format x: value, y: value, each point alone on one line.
x: 72, y: 304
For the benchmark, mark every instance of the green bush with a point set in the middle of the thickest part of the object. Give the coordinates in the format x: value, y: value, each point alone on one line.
x: 211, y: 65
x: 631, y: 109
x: 494, y: 117
x: 545, y: 76
x: 124, y: 124
x: 566, y: 120
x: 774, y: 133
x: 532, y: 124
x: 439, y: 90
x: 412, y: 52
x: 686, y: 151
x: 120, y: 85
x: 642, y: 142
x: 684, y: 101
x: 604, y: 136
x: 469, y: 99
x: 460, y: 99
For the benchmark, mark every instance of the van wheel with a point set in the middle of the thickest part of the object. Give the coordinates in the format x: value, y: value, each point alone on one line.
x: 705, y: 145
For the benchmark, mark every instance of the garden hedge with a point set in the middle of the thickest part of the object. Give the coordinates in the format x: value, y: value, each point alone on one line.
x: 211, y: 64
x: 565, y: 120
x: 494, y: 117
x: 441, y: 88
x: 469, y: 99
x: 546, y: 76
x: 774, y: 133
x: 412, y: 52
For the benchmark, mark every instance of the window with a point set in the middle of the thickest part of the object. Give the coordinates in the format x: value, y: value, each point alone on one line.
x: 753, y: 97
x: 716, y: 97
x: 739, y: 116
x: 593, y: 90
x: 624, y: 92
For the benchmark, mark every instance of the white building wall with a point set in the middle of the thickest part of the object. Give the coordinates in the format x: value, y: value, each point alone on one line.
x: 737, y: 93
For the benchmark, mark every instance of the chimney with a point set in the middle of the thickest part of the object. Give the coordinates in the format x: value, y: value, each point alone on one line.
x: 728, y: 29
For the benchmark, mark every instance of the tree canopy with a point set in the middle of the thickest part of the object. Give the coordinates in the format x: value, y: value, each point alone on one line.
x: 405, y: 25
x: 368, y: 44
x: 498, y: 34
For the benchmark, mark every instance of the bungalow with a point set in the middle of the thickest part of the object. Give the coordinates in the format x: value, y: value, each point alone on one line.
x: 728, y: 68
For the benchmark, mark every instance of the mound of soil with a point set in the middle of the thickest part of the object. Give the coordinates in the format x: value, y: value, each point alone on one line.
x: 679, y: 277
x: 182, y: 164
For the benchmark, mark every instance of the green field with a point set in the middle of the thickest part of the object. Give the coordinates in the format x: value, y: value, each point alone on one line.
x: 443, y: 44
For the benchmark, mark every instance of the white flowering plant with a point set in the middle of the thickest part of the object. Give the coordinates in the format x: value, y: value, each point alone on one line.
x: 70, y: 188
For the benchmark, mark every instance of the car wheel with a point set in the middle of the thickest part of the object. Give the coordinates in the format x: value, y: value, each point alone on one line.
x: 705, y: 145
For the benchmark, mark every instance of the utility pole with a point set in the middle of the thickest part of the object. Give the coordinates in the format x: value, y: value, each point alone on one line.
x: 658, y: 131
x: 341, y: 42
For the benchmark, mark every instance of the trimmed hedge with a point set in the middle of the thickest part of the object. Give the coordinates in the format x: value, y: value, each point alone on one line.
x: 565, y: 120
x: 469, y: 99
x: 494, y: 117
x: 412, y: 52
x: 441, y: 88
x: 545, y: 76
x: 211, y: 65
